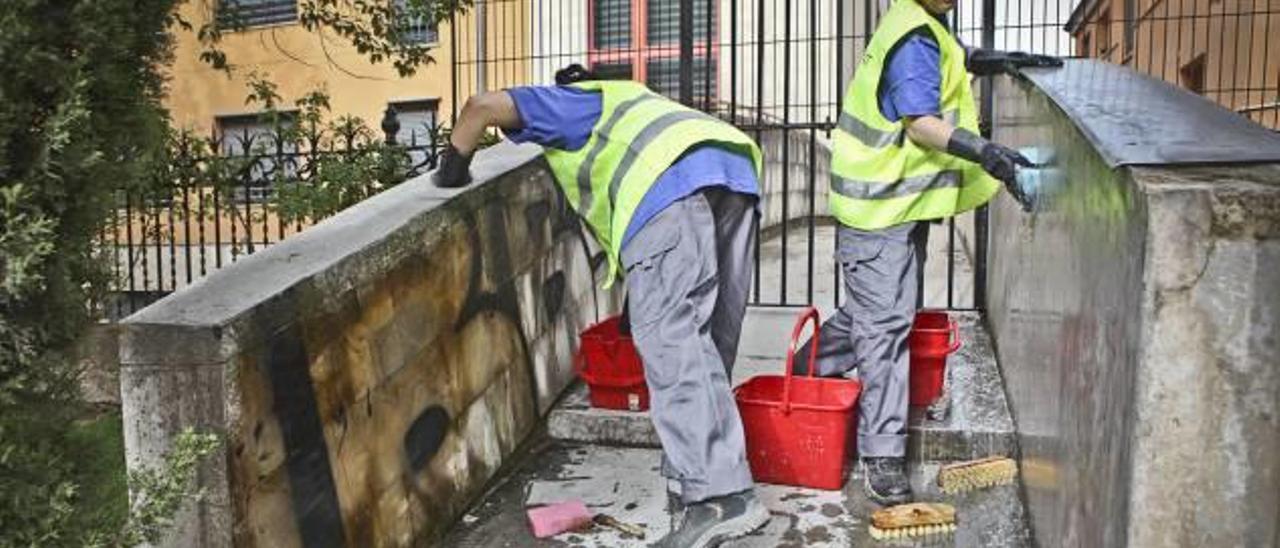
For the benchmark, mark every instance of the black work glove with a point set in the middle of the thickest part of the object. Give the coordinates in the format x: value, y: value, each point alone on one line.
x: 986, y: 62
x: 1000, y: 161
x: 454, y: 170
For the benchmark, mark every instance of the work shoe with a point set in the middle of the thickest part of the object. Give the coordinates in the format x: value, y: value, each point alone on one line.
x: 885, y: 480
x: 713, y: 521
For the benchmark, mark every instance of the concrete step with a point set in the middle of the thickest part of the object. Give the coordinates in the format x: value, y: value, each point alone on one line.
x: 977, y: 424
x: 624, y: 483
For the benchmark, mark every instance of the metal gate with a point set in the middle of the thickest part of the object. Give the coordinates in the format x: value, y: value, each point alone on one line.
x: 777, y: 69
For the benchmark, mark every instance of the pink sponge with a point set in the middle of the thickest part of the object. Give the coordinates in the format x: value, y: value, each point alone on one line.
x: 557, y: 518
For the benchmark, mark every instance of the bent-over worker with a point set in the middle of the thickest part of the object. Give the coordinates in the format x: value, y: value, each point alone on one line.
x: 670, y: 193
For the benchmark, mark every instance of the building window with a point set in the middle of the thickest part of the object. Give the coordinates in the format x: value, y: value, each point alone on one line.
x: 417, y: 29
x: 418, y: 119
x: 253, y: 138
x: 253, y: 13
x: 1192, y: 75
x: 649, y: 52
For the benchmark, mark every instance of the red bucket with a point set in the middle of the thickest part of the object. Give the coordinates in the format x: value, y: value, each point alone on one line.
x: 798, y: 428
x: 934, y: 336
x: 608, y: 362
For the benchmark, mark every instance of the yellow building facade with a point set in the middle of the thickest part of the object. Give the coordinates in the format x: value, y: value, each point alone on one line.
x: 275, y: 46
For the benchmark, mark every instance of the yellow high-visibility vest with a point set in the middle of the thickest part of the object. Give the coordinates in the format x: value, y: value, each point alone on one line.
x: 638, y: 136
x: 879, y: 177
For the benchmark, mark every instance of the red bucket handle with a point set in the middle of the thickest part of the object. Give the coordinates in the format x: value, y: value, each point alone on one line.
x: 809, y: 314
x: 954, y: 330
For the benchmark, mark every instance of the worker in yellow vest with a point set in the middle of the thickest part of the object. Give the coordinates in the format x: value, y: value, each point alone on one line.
x: 906, y: 151
x: 671, y: 195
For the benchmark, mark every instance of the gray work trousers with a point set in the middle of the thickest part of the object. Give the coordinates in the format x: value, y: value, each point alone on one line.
x: 867, y: 337
x: 688, y: 272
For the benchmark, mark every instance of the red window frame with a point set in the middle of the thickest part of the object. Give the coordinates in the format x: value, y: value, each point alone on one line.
x: 640, y: 52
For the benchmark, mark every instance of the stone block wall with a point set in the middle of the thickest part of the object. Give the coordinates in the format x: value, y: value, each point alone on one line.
x: 370, y: 375
x: 1136, y: 325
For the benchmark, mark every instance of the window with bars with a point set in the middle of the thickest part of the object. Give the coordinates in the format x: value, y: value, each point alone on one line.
x: 640, y: 40
x: 418, y: 119
x: 253, y: 13
x: 253, y: 138
x: 416, y: 29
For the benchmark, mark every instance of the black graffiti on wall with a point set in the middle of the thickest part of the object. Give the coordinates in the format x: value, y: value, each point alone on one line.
x: 311, y: 487
x: 313, y: 492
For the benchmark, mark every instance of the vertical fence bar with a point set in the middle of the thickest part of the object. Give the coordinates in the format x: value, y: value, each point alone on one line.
x: 839, y: 97
x: 759, y: 117
x: 1222, y: 51
x: 813, y: 143
x: 686, y: 52
x: 173, y: 241
x: 453, y: 69
x: 186, y: 220
x: 116, y: 279
x: 981, y: 215
x: 733, y: 61
x: 707, y: 67
x: 1266, y: 58
x: 866, y: 23
x: 248, y: 205
x: 128, y: 220
x: 786, y: 144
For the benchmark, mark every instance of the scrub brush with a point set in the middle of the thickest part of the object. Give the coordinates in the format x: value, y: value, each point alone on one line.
x: 914, y: 520
x: 976, y: 474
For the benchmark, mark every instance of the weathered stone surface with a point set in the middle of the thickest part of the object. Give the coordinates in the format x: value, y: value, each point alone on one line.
x: 1134, y: 316
x: 371, y: 374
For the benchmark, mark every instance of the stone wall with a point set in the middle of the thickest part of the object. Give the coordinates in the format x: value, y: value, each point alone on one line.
x: 370, y: 375
x: 1136, y: 325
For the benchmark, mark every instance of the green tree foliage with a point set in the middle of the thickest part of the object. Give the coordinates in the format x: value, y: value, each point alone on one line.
x: 80, y: 119
x: 81, y: 124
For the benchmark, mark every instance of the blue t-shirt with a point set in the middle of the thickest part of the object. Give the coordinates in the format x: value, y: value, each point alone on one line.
x: 562, y: 117
x: 912, y: 81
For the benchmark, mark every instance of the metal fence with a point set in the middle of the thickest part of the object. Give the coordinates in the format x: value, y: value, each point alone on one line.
x: 222, y: 198
x: 775, y: 68
x: 781, y: 66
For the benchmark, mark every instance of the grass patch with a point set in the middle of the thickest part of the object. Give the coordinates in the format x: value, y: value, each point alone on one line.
x: 103, y: 502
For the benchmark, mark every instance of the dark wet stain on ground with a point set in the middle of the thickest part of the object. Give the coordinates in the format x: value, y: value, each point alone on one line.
x: 817, y: 534
x: 831, y: 510
x: 794, y: 496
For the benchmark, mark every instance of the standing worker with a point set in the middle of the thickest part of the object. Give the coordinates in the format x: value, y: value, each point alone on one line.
x: 906, y: 151
x: 670, y: 193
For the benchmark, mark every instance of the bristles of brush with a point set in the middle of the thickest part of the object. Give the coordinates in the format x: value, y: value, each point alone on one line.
x: 915, y: 531
x: 960, y: 479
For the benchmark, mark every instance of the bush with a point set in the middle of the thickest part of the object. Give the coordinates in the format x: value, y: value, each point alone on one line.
x: 79, y: 120
x: 81, y: 124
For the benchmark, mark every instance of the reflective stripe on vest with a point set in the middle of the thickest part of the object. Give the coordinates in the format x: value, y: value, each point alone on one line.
x: 879, y: 177
x: 870, y: 190
x: 638, y: 136
x: 642, y: 140
x: 584, y: 171
x: 875, y: 138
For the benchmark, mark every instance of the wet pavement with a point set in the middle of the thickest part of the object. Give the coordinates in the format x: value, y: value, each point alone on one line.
x: 610, y: 460
x: 624, y: 483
